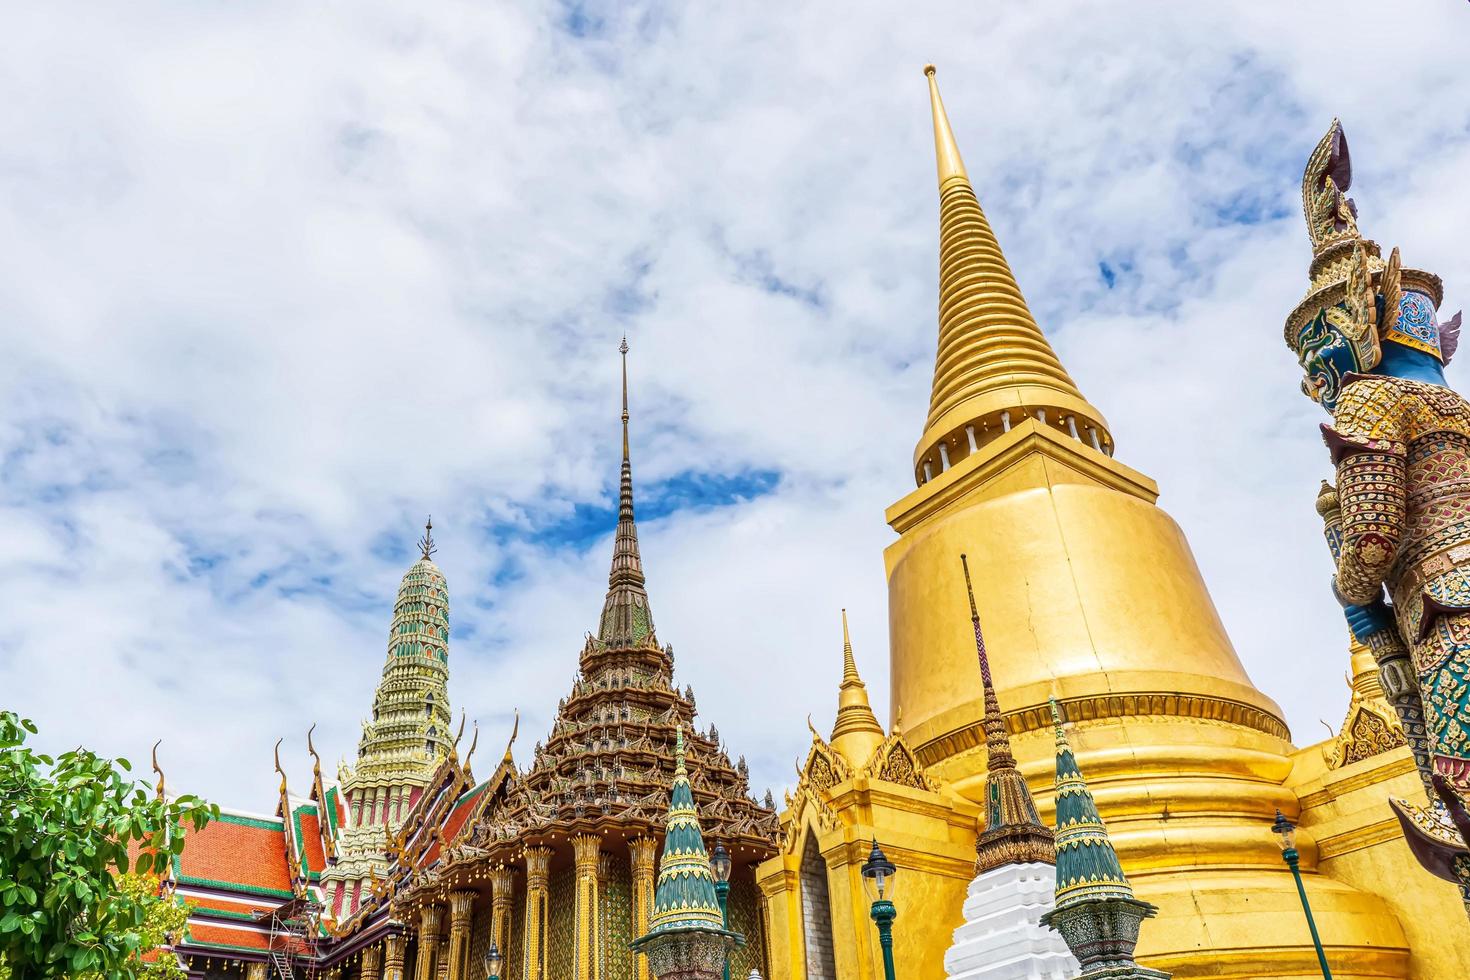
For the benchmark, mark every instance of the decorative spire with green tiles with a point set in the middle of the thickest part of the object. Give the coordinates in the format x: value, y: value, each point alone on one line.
x: 1087, y: 865
x: 1096, y: 913
x: 686, y: 937
x: 627, y: 620
x: 685, y: 895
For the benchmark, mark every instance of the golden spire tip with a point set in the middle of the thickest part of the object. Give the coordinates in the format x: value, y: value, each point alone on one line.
x: 946, y: 150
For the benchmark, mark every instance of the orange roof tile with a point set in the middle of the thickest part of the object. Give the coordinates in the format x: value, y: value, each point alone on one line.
x: 201, y: 934
x: 238, y: 853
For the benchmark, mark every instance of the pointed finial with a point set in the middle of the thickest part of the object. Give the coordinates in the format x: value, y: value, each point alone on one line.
x: 679, y: 769
x: 312, y: 748
x: 997, y: 740
x: 969, y: 590
x: 849, y: 665
x: 1056, y: 720
x: 623, y: 349
x: 426, y: 543
x: 946, y: 150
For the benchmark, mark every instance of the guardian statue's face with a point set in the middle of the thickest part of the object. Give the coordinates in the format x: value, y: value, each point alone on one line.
x: 1327, y: 355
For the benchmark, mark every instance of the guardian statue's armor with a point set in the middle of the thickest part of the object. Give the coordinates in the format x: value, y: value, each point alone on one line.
x: 1370, y: 342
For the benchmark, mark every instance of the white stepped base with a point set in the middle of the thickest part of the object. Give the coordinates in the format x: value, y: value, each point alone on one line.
x: 1003, y: 938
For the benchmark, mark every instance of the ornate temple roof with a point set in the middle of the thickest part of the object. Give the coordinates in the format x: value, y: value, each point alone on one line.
x: 608, y: 761
x: 1087, y: 865
x: 993, y: 357
x: 1014, y: 833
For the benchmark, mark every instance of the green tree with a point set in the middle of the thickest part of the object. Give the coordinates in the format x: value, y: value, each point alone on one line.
x: 68, y: 825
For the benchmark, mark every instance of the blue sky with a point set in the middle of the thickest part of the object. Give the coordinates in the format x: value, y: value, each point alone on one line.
x: 279, y: 281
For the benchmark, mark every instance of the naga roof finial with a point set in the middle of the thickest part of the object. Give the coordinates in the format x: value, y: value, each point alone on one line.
x: 515, y: 732
x: 426, y: 543
x: 159, y: 787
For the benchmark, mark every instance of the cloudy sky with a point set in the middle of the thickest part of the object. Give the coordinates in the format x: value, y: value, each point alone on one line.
x: 277, y: 280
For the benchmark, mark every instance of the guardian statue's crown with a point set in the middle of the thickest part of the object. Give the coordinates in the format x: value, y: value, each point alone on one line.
x: 1368, y: 299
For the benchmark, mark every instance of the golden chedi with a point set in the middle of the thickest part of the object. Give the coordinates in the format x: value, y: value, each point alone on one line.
x: 1089, y: 592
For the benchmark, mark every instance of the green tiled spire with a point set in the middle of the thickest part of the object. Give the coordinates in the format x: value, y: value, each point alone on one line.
x: 1087, y: 865
x: 1096, y: 913
x: 685, y: 896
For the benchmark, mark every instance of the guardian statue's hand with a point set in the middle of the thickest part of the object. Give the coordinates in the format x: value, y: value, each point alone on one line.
x: 1365, y: 620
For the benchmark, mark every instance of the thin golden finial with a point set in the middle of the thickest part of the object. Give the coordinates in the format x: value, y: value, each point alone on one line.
x: 946, y: 150
x: 316, y: 759
x: 997, y: 740
x: 460, y: 734
x: 426, y: 543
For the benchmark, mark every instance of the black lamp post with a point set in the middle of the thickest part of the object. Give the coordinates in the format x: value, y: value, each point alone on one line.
x: 719, y: 863
x: 492, y: 962
x: 878, y: 878
x: 1286, y: 836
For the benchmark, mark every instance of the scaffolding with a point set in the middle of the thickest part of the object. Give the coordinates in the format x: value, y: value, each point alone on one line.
x: 295, y: 927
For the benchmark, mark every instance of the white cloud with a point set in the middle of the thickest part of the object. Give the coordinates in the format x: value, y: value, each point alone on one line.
x: 275, y: 281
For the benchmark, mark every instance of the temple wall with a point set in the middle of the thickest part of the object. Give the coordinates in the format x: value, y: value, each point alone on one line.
x: 1358, y: 842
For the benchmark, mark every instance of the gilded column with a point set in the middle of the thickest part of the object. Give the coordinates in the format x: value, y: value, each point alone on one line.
x: 538, y: 875
x: 394, y: 948
x: 255, y: 971
x: 461, y: 908
x: 426, y: 965
x: 502, y: 890
x: 604, y: 875
x: 644, y: 852
x: 586, y: 848
x: 371, y: 962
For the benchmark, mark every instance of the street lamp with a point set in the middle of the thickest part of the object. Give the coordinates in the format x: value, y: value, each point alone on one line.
x: 719, y: 863
x: 878, y: 878
x: 492, y: 962
x: 1286, y: 836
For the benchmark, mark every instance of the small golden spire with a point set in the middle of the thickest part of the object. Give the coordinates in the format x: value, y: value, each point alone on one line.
x: 849, y: 665
x: 426, y: 543
x: 856, y: 733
